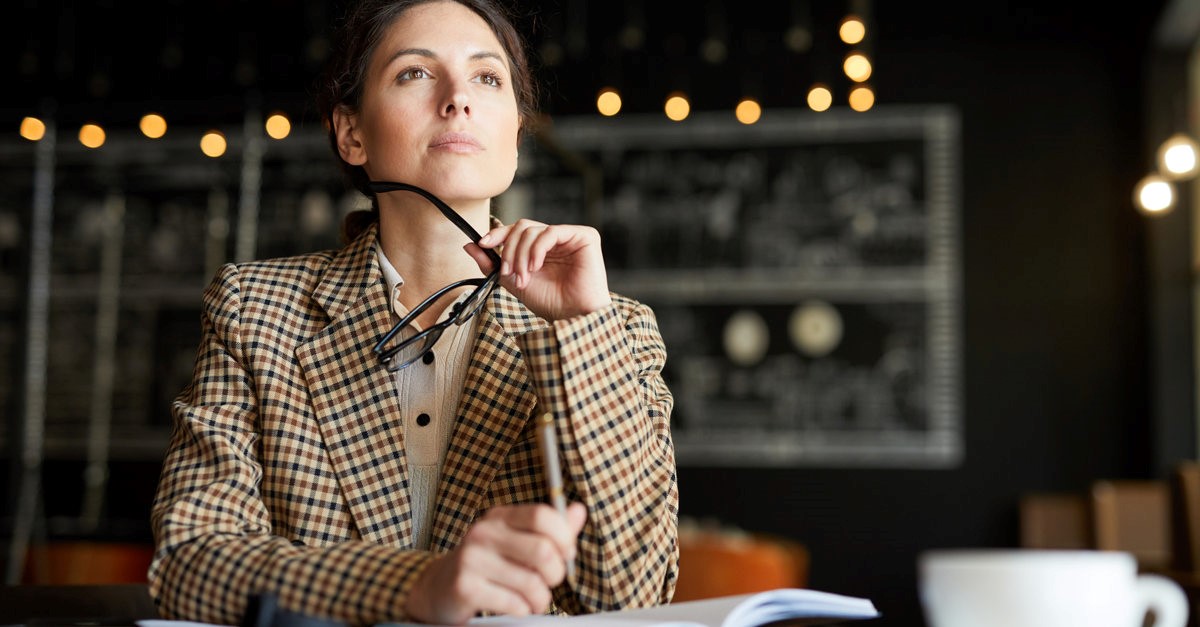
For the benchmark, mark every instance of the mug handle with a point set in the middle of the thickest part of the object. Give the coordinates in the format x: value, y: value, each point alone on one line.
x: 1165, y: 597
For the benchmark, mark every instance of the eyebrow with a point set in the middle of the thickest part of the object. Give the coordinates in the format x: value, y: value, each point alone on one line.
x: 426, y: 52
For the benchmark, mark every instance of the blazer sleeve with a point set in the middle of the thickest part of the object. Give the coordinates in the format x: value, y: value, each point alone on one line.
x: 601, y: 376
x: 213, y: 532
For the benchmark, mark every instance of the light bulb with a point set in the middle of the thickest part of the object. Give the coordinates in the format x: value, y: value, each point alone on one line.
x: 1177, y: 157
x: 1154, y: 195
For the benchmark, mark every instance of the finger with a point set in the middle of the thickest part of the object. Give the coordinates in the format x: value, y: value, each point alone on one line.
x: 535, y: 518
x: 503, y: 586
x: 454, y: 588
x: 486, y: 265
x: 495, y: 237
x: 539, y: 554
x: 537, y: 536
x: 576, y: 517
x: 517, y: 248
x: 546, y: 240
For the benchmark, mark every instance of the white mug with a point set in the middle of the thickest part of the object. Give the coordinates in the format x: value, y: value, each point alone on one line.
x: 1044, y: 588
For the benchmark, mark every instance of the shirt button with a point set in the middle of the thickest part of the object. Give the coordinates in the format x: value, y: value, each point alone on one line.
x: 423, y: 420
x: 428, y: 358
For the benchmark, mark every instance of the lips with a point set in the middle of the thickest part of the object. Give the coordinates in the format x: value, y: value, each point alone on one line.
x: 456, y: 142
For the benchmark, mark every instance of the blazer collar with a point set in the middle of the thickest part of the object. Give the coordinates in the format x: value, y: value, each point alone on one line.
x: 498, y: 399
x: 353, y: 271
x: 354, y: 396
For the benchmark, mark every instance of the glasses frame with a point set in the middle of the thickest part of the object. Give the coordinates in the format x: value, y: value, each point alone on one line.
x: 461, y: 312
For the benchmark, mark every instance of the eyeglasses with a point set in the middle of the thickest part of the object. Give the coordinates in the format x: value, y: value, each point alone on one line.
x: 414, y: 347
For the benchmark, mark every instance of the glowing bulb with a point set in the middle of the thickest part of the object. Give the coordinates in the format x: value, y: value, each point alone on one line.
x: 819, y: 98
x: 1154, y: 195
x: 677, y: 107
x: 213, y: 144
x: 1177, y: 157
x: 862, y: 98
x: 33, y: 129
x: 278, y: 126
x: 852, y: 29
x: 857, y: 67
x: 608, y: 102
x: 91, y: 135
x: 153, y: 125
x: 748, y: 111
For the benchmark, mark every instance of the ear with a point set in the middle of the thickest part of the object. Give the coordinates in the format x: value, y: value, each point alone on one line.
x: 349, y: 141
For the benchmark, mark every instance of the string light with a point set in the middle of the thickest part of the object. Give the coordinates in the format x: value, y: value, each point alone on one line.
x: 748, y: 111
x: 819, y: 98
x: 1177, y: 157
x: 857, y: 67
x: 91, y: 135
x: 862, y: 98
x: 153, y: 125
x: 278, y: 126
x: 33, y: 129
x: 213, y: 144
x: 677, y: 107
x: 608, y: 102
x: 1154, y: 195
x: 852, y: 29
x: 1177, y: 161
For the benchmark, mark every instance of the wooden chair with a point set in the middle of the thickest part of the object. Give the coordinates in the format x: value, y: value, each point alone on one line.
x: 87, y: 563
x: 1134, y: 516
x: 1055, y: 520
x: 728, y: 562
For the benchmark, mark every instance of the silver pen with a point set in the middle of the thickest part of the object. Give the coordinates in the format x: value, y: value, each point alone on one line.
x: 548, y: 439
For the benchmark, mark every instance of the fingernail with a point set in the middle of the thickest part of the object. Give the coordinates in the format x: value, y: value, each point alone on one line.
x: 486, y: 239
x: 505, y: 269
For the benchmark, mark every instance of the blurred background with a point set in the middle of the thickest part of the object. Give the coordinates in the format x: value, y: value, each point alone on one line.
x: 894, y: 322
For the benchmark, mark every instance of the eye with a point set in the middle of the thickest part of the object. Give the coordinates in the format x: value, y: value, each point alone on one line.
x: 491, y: 79
x: 413, y: 73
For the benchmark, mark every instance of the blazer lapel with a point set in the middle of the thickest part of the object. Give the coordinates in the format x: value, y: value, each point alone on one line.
x: 354, y: 396
x: 498, y: 399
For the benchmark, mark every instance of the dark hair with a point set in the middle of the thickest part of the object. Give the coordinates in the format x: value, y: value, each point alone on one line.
x: 357, y: 36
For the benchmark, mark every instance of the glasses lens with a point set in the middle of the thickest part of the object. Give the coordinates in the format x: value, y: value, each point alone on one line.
x: 472, y: 303
x: 412, y: 348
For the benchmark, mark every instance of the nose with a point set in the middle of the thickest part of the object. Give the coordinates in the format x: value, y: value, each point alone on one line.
x: 455, y: 100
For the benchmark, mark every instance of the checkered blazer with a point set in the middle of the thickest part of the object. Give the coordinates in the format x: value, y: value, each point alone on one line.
x: 286, y: 470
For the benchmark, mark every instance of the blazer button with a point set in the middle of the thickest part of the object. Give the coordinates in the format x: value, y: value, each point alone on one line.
x: 297, y: 543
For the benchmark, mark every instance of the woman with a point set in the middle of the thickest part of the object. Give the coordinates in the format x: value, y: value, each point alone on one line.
x: 404, y: 483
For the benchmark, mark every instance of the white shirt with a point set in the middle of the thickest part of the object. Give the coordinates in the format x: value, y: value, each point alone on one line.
x: 430, y: 391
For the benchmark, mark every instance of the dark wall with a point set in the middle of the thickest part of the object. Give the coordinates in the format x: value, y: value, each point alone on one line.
x: 1056, y: 391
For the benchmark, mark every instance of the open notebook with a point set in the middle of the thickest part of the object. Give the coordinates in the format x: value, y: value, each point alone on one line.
x: 796, y: 605
x: 810, y: 607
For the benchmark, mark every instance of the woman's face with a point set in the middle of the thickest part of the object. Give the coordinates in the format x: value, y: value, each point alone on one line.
x: 438, y: 108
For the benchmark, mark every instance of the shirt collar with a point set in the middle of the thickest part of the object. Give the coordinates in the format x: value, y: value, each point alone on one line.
x: 390, y: 275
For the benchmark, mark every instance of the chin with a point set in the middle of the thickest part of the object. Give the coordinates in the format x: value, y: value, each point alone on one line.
x: 467, y: 187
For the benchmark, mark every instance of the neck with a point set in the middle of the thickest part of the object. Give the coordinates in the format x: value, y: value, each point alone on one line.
x: 424, y: 246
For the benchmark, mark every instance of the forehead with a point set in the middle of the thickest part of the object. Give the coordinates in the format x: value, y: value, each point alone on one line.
x: 444, y: 28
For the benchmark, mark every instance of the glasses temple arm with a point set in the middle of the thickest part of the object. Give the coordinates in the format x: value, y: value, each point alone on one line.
x: 450, y: 213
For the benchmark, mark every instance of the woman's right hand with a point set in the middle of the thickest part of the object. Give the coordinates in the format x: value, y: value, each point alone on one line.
x: 507, y: 563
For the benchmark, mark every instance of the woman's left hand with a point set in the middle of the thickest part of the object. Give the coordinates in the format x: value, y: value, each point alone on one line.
x: 556, y: 270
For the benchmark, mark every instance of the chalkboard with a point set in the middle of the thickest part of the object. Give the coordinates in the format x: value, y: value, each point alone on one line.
x: 804, y: 272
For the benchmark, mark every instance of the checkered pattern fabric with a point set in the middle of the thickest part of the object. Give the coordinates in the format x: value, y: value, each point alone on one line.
x: 286, y: 469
